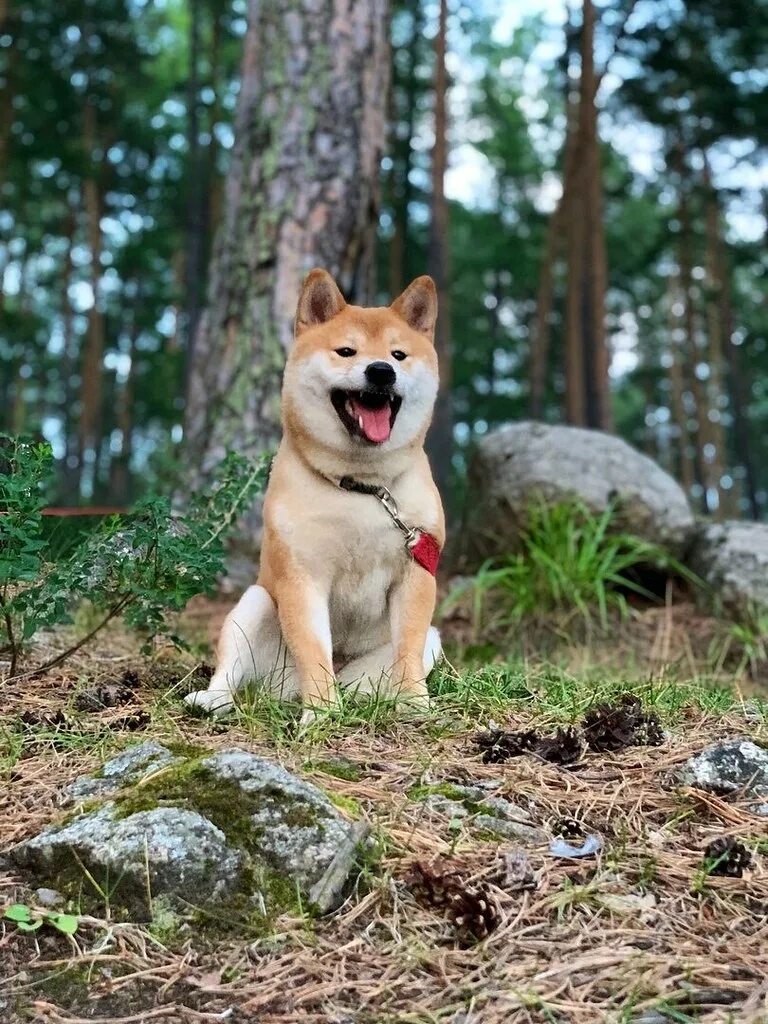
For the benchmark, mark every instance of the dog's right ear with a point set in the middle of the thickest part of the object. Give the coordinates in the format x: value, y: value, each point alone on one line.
x: 320, y: 300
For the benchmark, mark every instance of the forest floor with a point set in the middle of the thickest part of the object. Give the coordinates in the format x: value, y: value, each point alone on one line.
x: 641, y: 932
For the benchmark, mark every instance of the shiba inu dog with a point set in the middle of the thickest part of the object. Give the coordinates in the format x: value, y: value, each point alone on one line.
x: 353, y: 523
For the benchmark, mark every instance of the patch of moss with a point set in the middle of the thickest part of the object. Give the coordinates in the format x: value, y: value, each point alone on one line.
x: 449, y: 791
x: 348, y: 804
x: 194, y: 786
x: 339, y: 768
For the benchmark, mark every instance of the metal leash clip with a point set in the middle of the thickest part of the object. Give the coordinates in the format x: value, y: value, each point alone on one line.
x: 390, y: 507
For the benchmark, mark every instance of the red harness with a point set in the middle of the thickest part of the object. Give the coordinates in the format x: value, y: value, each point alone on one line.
x: 423, y: 548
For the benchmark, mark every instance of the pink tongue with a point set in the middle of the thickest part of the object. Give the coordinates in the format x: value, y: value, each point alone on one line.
x: 375, y: 422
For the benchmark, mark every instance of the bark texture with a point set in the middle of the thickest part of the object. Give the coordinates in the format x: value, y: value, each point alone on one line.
x: 302, y: 192
x: 440, y: 437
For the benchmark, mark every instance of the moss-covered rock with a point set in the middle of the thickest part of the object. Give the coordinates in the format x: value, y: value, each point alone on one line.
x: 202, y: 833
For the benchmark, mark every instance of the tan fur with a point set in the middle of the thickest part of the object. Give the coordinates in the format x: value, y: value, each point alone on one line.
x: 337, y: 591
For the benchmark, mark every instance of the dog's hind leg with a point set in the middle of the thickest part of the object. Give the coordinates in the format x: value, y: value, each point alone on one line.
x: 372, y: 672
x: 250, y: 647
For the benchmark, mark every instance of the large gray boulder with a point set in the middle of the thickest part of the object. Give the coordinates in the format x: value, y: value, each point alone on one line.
x: 192, y: 829
x: 732, y: 559
x: 522, y: 463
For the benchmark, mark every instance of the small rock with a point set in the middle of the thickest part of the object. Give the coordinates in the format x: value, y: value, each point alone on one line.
x: 48, y: 897
x: 438, y: 804
x: 505, y: 809
x: 517, y: 872
x: 509, y: 829
x: 627, y: 903
x: 730, y: 766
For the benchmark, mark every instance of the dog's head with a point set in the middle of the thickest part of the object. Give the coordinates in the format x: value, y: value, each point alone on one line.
x: 362, y: 377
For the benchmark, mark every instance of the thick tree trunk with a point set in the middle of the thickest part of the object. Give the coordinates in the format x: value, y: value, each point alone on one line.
x: 302, y: 191
x: 440, y: 438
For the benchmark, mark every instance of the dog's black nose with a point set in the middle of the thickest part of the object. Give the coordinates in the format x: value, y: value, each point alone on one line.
x: 380, y: 374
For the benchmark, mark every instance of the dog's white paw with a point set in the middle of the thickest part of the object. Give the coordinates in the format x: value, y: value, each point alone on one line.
x: 413, y: 705
x: 309, y: 716
x: 216, y: 702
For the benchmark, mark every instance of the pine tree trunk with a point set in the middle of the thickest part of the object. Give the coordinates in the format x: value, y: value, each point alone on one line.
x: 714, y: 387
x: 738, y: 389
x: 91, y: 389
x: 440, y: 437
x: 71, y: 468
x: 677, y: 387
x: 302, y: 191
x: 402, y: 190
x: 598, y: 397
x: 692, y: 379
x: 197, y: 197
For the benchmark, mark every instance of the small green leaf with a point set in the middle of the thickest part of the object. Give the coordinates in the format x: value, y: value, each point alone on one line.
x: 66, y: 923
x: 29, y: 926
x: 18, y: 912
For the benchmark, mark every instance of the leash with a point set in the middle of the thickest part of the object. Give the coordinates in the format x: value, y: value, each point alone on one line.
x: 422, y: 546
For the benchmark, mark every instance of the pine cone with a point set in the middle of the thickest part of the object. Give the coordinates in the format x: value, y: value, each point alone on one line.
x: 568, y: 828
x: 623, y: 724
x: 566, y: 747
x: 498, y: 746
x: 433, y: 883
x: 469, y: 908
x: 473, y: 914
x: 727, y: 856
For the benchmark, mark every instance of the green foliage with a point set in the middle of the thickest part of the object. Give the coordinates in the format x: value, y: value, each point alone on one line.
x: 570, y: 559
x: 142, y: 565
x: 24, y: 467
x: 28, y: 919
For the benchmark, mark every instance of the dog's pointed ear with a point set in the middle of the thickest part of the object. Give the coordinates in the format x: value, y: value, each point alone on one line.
x: 418, y: 306
x: 320, y: 300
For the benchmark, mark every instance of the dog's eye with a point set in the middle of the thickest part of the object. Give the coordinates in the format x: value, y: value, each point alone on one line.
x: 397, y: 354
x: 345, y: 351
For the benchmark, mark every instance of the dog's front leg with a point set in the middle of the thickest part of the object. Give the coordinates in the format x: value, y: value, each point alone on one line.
x: 412, y: 605
x: 306, y: 627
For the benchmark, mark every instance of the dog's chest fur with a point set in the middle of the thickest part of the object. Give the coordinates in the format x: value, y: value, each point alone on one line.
x: 353, y: 550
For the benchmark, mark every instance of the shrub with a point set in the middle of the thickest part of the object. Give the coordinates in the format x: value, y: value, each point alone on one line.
x: 141, y: 566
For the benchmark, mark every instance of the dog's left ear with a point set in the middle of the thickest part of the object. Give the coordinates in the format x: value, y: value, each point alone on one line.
x: 418, y: 306
x: 320, y: 300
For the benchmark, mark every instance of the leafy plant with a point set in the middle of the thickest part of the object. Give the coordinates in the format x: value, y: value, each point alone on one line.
x: 571, y: 561
x: 24, y: 468
x: 28, y: 919
x: 140, y: 566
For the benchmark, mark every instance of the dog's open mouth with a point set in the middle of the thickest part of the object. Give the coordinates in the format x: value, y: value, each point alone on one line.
x: 370, y: 415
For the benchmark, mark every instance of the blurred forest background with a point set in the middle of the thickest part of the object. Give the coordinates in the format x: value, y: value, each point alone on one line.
x: 588, y: 184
